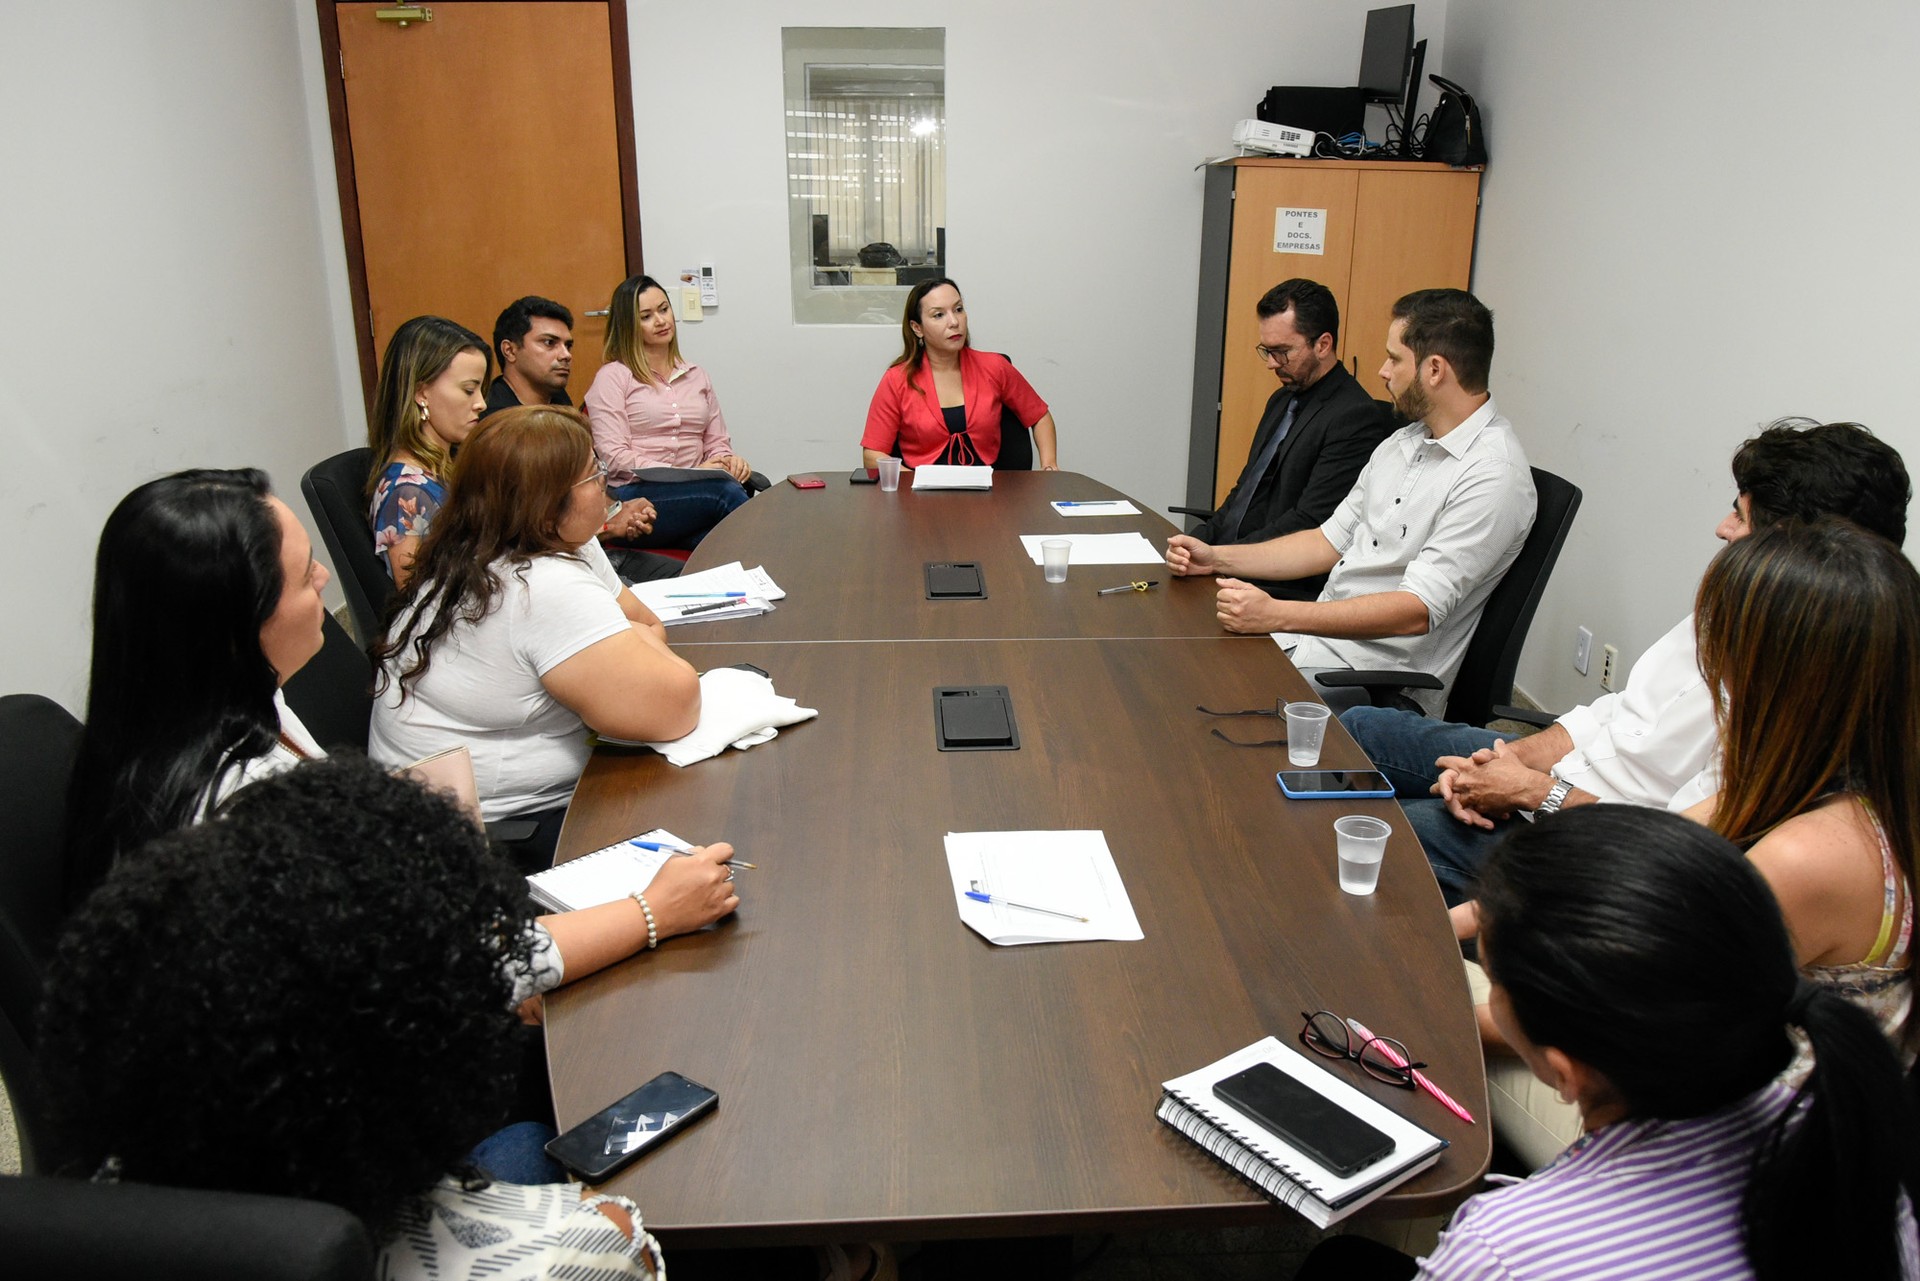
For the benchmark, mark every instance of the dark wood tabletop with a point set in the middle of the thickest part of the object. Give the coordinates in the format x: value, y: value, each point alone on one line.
x: 886, y: 1073
x: 851, y: 558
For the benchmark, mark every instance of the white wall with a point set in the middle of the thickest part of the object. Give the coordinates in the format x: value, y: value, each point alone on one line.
x: 162, y: 269
x: 1697, y: 218
x: 1073, y: 209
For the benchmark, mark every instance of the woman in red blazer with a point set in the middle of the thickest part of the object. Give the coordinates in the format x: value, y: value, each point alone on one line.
x: 942, y: 401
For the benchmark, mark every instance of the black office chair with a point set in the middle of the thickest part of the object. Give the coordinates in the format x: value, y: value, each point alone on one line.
x: 333, y: 694
x: 1485, y: 679
x: 1016, y: 444
x: 335, y: 491
x: 39, y: 740
x: 84, y: 1231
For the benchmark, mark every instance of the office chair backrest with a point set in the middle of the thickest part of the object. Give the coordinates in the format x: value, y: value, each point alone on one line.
x: 336, y: 495
x: 333, y: 694
x: 1486, y: 672
x: 39, y: 740
x: 1016, y: 444
x: 83, y: 1231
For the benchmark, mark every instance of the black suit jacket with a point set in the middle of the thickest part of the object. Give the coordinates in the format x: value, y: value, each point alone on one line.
x: 1335, y: 430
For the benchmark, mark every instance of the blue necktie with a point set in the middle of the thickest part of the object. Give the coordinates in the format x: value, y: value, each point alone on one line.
x: 1236, y: 512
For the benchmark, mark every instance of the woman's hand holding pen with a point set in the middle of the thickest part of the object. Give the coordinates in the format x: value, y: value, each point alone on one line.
x: 694, y: 891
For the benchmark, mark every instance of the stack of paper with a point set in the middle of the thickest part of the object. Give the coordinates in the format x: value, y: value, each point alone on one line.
x: 947, y: 476
x: 1098, y: 549
x: 738, y: 593
x: 1037, y: 884
x: 603, y: 876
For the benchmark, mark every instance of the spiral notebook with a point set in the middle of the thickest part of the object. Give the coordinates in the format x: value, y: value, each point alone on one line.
x: 602, y: 876
x: 1268, y: 1162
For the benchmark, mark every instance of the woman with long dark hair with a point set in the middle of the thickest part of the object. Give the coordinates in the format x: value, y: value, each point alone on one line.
x: 431, y: 393
x: 1641, y: 967
x: 649, y: 410
x: 941, y: 401
x: 515, y: 635
x: 182, y: 714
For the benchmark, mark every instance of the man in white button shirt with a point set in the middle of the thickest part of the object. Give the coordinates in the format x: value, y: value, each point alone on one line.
x: 1653, y: 743
x: 1437, y: 516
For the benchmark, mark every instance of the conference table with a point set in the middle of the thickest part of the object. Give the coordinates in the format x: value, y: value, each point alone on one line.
x: 883, y: 1071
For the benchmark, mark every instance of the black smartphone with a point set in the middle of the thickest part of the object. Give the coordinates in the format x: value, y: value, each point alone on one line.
x: 1305, y: 1118
x: 1333, y: 784
x: 864, y: 476
x: 955, y: 580
x: 615, y: 1137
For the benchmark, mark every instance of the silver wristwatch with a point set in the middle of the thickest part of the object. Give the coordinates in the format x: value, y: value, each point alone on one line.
x: 1556, y: 796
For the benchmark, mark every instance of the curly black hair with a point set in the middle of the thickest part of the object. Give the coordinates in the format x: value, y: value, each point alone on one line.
x: 308, y: 996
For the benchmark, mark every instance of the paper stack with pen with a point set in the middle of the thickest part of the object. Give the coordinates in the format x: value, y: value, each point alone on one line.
x: 726, y: 591
x: 604, y: 875
x: 1039, y: 887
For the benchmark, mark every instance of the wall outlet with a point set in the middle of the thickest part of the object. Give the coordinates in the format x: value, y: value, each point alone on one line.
x: 1582, y: 649
x: 1609, y: 666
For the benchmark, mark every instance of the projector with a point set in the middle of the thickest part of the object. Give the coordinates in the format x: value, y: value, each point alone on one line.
x: 1273, y: 140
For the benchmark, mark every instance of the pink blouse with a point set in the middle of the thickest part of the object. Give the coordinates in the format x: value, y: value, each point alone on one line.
x: 637, y: 425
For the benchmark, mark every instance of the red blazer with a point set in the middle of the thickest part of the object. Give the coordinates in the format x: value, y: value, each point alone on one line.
x: 988, y: 384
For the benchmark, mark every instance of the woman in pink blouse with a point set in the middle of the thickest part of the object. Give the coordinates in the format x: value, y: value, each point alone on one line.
x: 651, y: 409
x: 944, y: 402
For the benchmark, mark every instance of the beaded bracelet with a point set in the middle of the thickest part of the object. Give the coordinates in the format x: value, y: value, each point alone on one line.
x: 653, y: 933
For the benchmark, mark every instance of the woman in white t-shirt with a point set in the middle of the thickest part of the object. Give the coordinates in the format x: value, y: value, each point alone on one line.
x: 515, y: 635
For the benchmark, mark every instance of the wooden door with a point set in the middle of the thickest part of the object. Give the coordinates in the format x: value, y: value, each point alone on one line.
x: 1413, y: 229
x: 1258, y: 193
x: 482, y: 155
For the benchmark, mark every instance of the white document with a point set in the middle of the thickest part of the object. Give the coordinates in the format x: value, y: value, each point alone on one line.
x: 739, y: 592
x: 1065, y: 872
x: 603, y: 876
x: 1099, y: 549
x: 1097, y: 507
x: 1287, y: 641
x: 947, y: 476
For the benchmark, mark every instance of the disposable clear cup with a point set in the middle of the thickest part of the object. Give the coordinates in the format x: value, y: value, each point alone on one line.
x: 1054, y: 553
x: 889, y: 474
x: 1306, y: 730
x: 1361, y: 842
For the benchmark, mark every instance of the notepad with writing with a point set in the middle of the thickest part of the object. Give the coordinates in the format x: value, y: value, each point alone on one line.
x: 1268, y: 1162
x: 602, y: 876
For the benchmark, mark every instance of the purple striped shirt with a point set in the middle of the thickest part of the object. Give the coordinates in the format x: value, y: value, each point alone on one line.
x: 1635, y: 1200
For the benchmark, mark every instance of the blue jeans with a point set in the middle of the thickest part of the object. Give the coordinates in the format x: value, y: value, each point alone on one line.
x: 517, y: 1154
x: 686, y: 509
x: 1404, y: 747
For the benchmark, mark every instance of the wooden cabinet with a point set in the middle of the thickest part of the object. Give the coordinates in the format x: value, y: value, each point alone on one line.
x: 1384, y: 228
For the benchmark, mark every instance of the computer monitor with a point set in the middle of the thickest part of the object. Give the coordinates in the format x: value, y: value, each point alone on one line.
x: 1386, y: 54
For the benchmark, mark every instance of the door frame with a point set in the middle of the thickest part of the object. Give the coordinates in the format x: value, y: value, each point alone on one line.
x: 334, y: 74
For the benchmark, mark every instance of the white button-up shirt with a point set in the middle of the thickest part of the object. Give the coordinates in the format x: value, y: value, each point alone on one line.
x: 1442, y: 519
x: 1653, y: 743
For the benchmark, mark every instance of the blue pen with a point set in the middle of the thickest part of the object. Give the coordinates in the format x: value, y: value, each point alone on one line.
x: 684, y: 850
x: 1101, y: 502
x: 703, y: 595
x: 977, y: 896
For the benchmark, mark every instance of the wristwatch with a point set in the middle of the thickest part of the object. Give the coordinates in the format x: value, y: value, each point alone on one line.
x: 1556, y: 796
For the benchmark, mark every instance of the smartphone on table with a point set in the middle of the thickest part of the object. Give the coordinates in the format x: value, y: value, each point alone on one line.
x: 616, y: 1136
x: 1305, y: 1118
x: 1333, y: 784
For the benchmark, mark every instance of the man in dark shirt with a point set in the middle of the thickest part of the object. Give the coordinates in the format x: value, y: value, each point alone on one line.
x: 534, y: 341
x: 1318, y: 431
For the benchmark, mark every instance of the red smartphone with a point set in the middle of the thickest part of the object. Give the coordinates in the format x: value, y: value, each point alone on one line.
x: 806, y: 482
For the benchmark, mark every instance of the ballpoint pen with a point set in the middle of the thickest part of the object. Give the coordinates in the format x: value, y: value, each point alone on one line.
x: 686, y: 852
x: 702, y: 595
x: 701, y: 609
x: 1419, y: 1077
x: 981, y: 896
x: 1091, y: 502
x: 1127, y: 587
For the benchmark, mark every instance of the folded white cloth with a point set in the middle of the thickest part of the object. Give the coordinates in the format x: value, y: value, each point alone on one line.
x: 738, y: 708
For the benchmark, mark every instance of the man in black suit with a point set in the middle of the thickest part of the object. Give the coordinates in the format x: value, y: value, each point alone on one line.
x: 1318, y: 431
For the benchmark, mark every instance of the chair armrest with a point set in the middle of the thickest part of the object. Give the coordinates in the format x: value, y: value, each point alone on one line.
x: 756, y: 483
x: 510, y: 831
x: 1380, y: 679
x: 1525, y: 715
x: 1204, y: 513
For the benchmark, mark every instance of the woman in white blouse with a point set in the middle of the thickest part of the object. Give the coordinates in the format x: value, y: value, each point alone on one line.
x: 650, y: 409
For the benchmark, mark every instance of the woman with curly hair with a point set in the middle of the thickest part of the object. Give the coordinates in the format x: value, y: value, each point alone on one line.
x: 310, y: 997
x: 515, y: 634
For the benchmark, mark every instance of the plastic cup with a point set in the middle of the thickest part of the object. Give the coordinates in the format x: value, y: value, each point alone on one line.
x: 1054, y: 554
x: 1362, y: 843
x: 1306, y: 730
x: 889, y: 474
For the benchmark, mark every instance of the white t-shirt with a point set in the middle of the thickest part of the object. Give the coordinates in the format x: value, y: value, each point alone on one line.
x: 278, y: 760
x: 483, y: 688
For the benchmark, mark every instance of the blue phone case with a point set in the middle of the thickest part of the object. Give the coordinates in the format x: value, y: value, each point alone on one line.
x: 1343, y: 794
